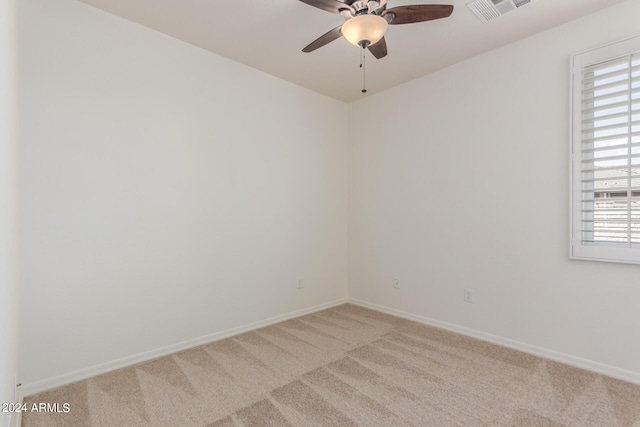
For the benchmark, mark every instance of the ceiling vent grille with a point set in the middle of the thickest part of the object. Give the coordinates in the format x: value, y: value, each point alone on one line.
x: 486, y: 10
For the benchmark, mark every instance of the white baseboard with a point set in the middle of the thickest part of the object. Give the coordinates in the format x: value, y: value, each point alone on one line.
x: 611, y: 371
x: 81, y: 374
x: 16, y: 417
x: 29, y: 389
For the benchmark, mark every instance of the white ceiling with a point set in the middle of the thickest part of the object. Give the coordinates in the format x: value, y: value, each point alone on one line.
x: 269, y: 35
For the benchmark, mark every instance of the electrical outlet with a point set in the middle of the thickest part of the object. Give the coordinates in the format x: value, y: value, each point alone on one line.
x: 300, y: 283
x: 468, y: 295
x: 396, y: 283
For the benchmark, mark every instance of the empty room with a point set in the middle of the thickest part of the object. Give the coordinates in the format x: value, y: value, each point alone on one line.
x: 319, y: 213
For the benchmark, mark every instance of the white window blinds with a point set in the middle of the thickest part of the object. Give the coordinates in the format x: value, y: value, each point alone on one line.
x: 606, y: 153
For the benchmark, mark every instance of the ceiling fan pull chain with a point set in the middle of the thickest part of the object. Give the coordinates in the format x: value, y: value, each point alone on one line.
x: 363, y: 65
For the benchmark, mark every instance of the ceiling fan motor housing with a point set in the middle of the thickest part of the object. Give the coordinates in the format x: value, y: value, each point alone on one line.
x: 360, y: 7
x: 370, y: 7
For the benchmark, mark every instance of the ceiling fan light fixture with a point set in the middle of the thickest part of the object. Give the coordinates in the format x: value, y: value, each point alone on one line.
x: 364, y: 30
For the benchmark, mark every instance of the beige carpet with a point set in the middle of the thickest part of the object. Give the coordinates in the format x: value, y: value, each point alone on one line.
x: 345, y: 366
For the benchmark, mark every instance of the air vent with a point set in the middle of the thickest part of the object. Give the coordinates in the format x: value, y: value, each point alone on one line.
x: 486, y: 10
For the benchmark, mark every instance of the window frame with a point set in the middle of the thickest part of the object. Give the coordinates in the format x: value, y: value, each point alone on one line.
x: 579, y: 61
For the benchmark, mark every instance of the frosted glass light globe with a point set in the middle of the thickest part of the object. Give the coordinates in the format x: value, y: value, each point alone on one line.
x: 364, y: 30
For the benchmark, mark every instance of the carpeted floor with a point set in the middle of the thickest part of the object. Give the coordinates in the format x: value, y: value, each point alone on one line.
x: 345, y: 366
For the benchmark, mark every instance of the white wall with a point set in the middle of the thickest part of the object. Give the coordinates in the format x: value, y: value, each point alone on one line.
x: 167, y: 193
x: 8, y: 206
x: 462, y: 180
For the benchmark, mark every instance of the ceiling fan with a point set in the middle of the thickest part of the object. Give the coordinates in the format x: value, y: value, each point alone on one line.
x: 367, y: 20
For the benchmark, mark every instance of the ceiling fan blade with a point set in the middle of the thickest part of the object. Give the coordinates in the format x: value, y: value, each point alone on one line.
x: 418, y: 13
x: 379, y: 50
x: 332, y: 6
x: 324, y: 39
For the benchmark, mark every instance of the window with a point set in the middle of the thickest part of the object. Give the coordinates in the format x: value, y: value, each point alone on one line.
x: 605, y: 144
